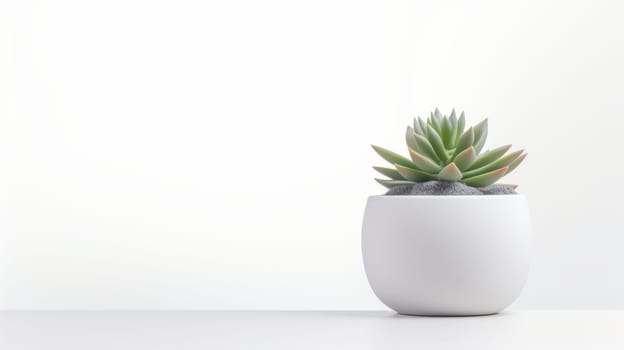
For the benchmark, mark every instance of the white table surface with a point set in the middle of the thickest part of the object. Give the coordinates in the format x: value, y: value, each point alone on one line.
x: 92, y: 330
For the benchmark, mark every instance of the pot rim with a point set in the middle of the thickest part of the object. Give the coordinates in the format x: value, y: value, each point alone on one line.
x: 457, y: 197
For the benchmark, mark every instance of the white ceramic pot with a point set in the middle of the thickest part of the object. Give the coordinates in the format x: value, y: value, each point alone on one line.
x: 446, y: 255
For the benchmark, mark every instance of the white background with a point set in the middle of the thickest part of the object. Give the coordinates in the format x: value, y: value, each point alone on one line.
x: 198, y: 154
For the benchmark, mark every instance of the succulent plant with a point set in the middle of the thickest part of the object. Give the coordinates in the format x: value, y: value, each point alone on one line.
x: 440, y: 149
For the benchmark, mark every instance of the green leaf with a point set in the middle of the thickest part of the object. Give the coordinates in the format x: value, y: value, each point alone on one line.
x: 423, y: 163
x: 413, y: 174
x: 485, y: 179
x: 453, y: 120
x: 410, y: 139
x: 447, y: 132
x: 450, y: 173
x: 392, y: 183
x: 481, y: 132
x: 464, y: 141
x: 436, y: 142
x: 504, y: 161
x: 516, y: 162
x: 424, y: 147
x: 465, y: 158
x: 417, y: 128
x: 389, y: 172
x: 437, y: 114
x: 461, y: 123
x: 453, y: 117
x: 392, y: 157
x: 436, y: 121
x: 489, y: 156
x: 423, y: 126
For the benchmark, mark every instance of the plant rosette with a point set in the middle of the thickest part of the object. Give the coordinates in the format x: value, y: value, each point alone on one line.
x: 446, y: 239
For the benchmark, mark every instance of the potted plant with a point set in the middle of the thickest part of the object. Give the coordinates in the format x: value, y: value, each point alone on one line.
x: 446, y: 239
